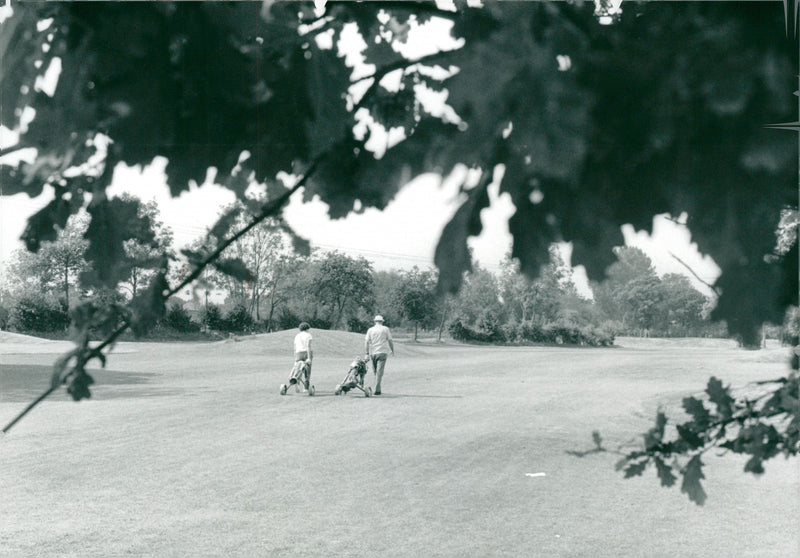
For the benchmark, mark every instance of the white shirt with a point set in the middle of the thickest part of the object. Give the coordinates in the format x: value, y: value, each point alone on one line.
x: 301, y: 341
x: 378, y: 337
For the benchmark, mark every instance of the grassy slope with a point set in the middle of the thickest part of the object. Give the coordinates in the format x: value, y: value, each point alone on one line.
x: 218, y: 464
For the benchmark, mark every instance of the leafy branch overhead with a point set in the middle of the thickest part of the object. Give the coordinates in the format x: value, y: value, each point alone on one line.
x: 760, y: 427
x: 653, y: 114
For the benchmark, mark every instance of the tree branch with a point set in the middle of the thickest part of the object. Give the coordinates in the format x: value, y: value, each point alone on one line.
x: 416, y: 7
x: 401, y: 64
x: 13, y: 148
x: 27, y: 409
x: 684, y: 264
x: 267, y: 210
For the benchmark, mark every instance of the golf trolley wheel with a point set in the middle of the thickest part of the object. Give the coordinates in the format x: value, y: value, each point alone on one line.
x: 311, y: 391
x: 368, y: 392
x: 338, y: 390
x: 284, y: 387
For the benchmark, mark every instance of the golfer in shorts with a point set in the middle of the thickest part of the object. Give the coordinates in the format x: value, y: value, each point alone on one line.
x: 377, y: 344
x: 302, y: 346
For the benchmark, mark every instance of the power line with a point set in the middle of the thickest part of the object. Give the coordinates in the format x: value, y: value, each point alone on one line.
x: 375, y: 252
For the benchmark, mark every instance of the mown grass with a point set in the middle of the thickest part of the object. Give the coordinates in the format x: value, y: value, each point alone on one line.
x: 206, y: 459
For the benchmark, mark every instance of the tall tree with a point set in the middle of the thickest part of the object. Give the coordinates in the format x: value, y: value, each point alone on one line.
x: 539, y: 299
x: 259, y: 250
x: 479, y: 297
x: 146, y: 257
x: 630, y: 285
x: 683, y: 306
x: 261, y: 260
x: 343, y: 284
x: 415, y: 296
x: 642, y: 301
x: 386, y: 284
x: 57, y: 266
x: 278, y: 286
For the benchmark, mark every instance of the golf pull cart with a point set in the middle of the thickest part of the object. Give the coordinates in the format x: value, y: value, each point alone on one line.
x: 301, y: 375
x: 355, y: 378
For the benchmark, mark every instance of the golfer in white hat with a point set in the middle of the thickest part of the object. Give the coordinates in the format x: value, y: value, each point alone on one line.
x: 377, y: 344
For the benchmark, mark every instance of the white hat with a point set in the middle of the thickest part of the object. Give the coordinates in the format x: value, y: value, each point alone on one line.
x: 378, y: 318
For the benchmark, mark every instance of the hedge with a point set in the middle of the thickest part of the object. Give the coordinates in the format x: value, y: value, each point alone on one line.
x: 527, y: 332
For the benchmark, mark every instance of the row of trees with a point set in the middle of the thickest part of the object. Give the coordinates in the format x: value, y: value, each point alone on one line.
x: 280, y: 286
x: 41, y: 287
x: 333, y: 290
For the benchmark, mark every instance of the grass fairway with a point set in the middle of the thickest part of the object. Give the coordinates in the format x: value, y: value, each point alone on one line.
x: 189, y: 450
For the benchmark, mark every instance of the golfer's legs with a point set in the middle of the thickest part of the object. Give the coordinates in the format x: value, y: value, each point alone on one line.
x: 378, y: 364
x: 298, y: 356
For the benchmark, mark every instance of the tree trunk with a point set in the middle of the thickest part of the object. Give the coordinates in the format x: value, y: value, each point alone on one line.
x: 441, y: 324
x: 332, y: 319
x: 251, y: 304
x: 66, y: 285
x: 271, y: 308
x: 415, y: 331
x: 339, y: 312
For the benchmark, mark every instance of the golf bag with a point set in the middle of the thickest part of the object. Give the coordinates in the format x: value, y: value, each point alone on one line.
x: 300, y: 375
x: 355, y: 378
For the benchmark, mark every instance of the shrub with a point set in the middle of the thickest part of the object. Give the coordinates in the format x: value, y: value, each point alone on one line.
x: 5, y: 315
x: 179, y: 319
x: 290, y: 320
x: 238, y: 319
x: 461, y: 332
x: 791, y: 322
x: 489, y: 327
x: 561, y: 332
x: 603, y: 335
x: 34, y: 312
x: 512, y: 332
x: 317, y: 323
x: 533, y: 332
x: 573, y: 334
x: 458, y: 330
x: 213, y: 318
x: 286, y: 320
x: 358, y: 325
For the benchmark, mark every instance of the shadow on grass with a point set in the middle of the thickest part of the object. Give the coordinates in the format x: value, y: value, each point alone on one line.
x: 598, y: 447
x: 575, y: 453
x: 23, y: 382
x: 382, y: 396
x: 401, y: 395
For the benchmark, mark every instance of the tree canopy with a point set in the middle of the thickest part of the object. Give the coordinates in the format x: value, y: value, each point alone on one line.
x: 656, y: 113
x: 415, y: 296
